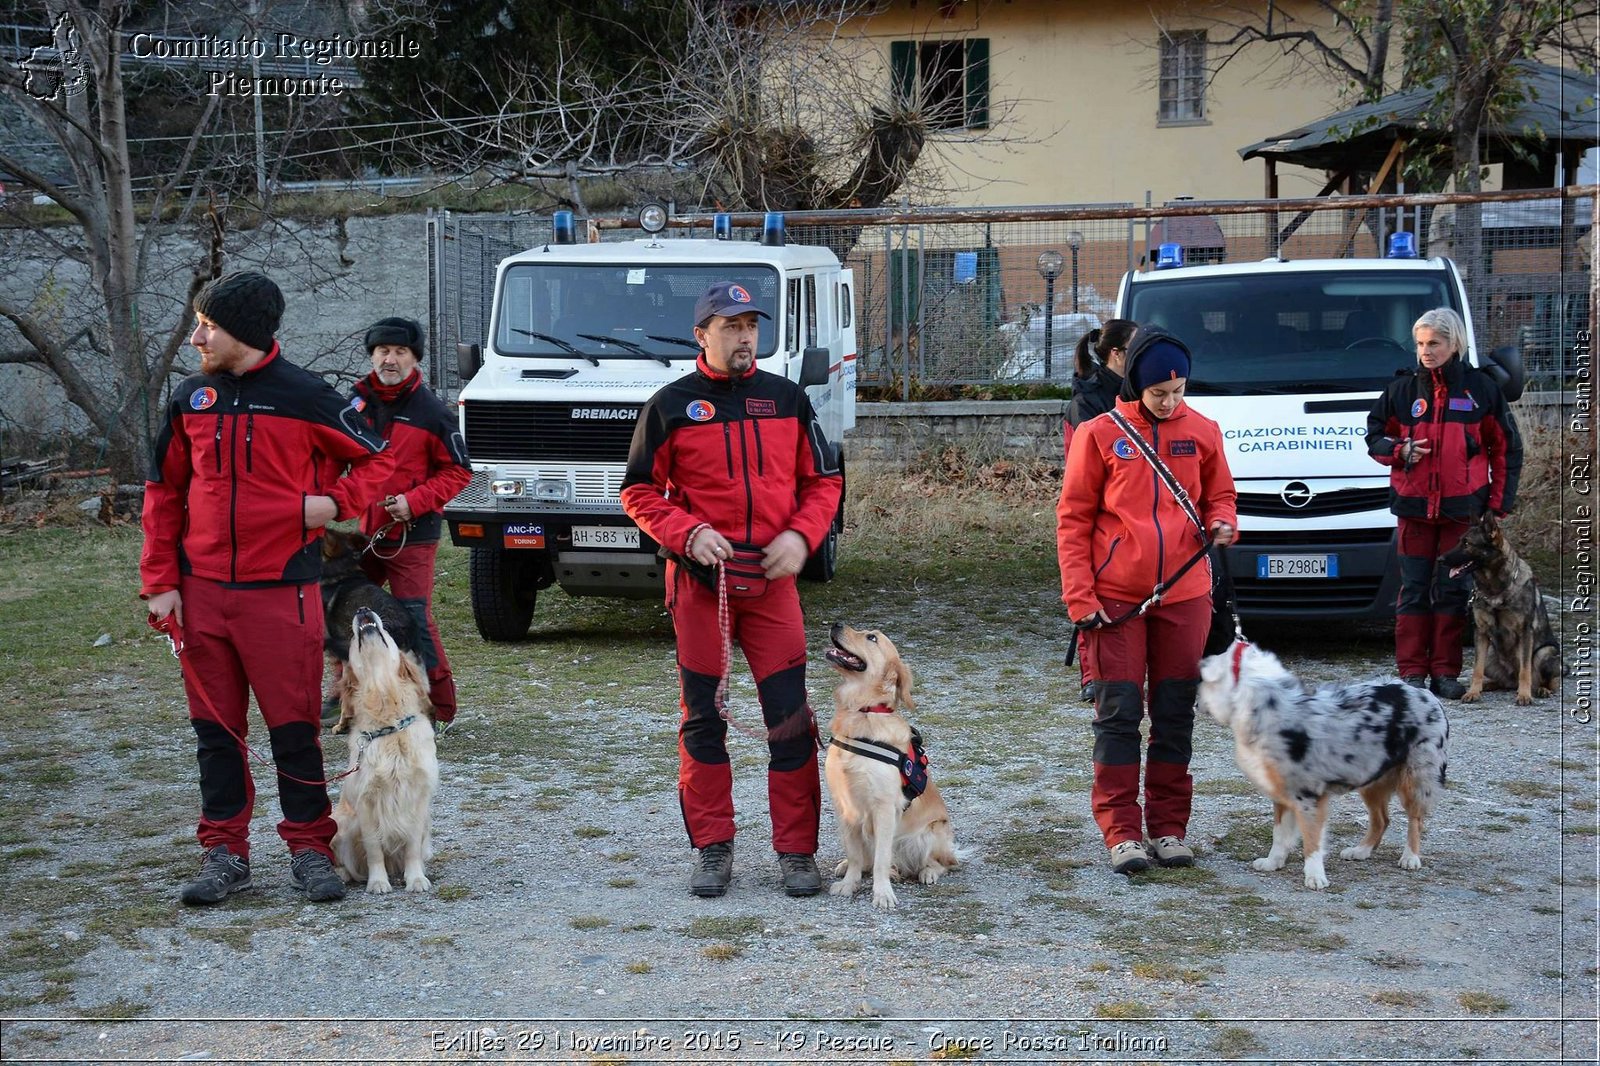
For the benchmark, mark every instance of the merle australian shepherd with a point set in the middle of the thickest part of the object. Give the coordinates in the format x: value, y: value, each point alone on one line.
x: 1302, y: 748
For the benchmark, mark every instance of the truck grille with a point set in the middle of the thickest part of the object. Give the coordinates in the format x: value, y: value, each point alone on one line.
x: 1340, y: 501
x: 512, y: 431
x: 1291, y: 596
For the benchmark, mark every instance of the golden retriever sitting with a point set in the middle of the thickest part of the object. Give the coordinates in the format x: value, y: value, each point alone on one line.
x: 893, y: 820
x: 385, y: 812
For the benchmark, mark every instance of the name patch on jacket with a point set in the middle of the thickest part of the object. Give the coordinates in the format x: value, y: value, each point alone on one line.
x: 760, y: 408
x: 1462, y: 403
x: 1182, y: 447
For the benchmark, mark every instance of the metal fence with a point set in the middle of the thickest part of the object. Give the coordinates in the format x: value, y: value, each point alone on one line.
x: 951, y: 297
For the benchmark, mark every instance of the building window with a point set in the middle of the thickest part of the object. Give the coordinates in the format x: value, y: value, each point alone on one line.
x: 948, y: 81
x: 1183, y: 76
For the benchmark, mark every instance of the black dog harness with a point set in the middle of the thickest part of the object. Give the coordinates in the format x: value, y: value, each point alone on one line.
x: 913, y: 764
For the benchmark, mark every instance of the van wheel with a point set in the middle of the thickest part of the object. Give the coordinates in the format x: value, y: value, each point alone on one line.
x: 821, y: 565
x: 503, y: 593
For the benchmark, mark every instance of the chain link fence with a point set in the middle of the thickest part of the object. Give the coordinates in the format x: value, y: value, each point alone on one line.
x: 962, y: 297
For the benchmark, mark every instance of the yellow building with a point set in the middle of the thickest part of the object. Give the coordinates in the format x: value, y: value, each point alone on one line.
x: 1090, y: 101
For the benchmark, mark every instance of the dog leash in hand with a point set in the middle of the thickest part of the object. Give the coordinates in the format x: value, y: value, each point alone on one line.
x: 720, y: 700
x: 383, y: 531
x: 170, y: 628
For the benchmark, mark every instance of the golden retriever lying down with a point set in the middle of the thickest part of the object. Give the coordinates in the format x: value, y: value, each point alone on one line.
x: 385, y: 812
x: 884, y: 830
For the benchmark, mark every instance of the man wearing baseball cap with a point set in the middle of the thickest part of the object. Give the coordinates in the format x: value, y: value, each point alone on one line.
x: 725, y: 469
x: 430, y: 467
x: 246, y: 472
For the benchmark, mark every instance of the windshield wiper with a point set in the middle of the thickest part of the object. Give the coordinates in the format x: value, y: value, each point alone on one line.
x: 566, y: 346
x: 628, y: 346
x: 673, y: 340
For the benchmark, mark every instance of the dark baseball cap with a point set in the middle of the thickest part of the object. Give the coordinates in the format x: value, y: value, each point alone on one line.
x: 725, y: 298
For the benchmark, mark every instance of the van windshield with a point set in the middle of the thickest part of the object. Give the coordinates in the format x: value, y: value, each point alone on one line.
x: 618, y: 311
x: 1335, y: 331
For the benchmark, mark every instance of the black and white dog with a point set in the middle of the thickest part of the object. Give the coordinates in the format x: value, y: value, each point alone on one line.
x: 1302, y: 748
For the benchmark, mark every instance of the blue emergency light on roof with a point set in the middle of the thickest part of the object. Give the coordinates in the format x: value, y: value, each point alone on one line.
x: 722, y: 226
x: 1402, y: 245
x: 562, y: 229
x: 772, y: 229
x: 1168, y: 256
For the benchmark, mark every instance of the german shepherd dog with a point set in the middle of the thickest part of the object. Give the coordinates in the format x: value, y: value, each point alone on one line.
x: 1302, y: 748
x: 1515, y: 644
x: 346, y: 589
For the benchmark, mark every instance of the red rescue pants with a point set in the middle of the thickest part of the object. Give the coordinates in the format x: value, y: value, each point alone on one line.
x: 1430, y: 613
x: 267, y: 641
x: 770, y: 629
x: 1162, y: 646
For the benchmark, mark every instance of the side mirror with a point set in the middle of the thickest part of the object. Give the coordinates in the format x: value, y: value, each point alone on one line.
x: 1505, y: 366
x: 469, y: 360
x: 814, y: 366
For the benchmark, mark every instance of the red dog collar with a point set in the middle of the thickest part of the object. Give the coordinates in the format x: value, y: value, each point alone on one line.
x: 877, y: 708
x: 1238, y: 654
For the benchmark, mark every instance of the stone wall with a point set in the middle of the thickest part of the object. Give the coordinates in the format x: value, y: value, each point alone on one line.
x: 985, y: 429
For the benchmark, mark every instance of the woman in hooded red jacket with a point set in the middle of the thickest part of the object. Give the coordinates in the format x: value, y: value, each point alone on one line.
x: 1120, y: 532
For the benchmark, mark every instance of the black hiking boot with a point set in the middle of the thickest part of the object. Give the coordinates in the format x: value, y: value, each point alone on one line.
x: 713, y: 870
x: 222, y: 873
x: 312, y: 872
x: 800, y: 876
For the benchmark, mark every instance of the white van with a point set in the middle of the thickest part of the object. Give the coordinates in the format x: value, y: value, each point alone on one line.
x: 580, y: 337
x: 1289, y: 358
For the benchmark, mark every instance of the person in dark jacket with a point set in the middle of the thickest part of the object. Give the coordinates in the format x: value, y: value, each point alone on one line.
x: 731, y: 458
x: 1453, y: 451
x: 245, y: 474
x: 430, y: 467
x: 1098, y: 362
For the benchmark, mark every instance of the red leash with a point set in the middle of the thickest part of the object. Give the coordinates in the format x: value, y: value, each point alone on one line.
x: 725, y: 630
x: 170, y: 628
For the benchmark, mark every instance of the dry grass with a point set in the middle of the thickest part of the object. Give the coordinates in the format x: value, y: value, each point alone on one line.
x: 1539, y: 526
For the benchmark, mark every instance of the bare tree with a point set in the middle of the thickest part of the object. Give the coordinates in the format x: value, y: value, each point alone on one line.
x: 779, y: 105
x: 109, y: 314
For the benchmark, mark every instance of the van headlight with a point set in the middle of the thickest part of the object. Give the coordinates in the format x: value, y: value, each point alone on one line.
x: 551, y: 491
x: 506, y: 486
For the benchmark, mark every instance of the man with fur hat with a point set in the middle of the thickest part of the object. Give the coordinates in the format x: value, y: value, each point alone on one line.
x: 430, y: 467
x: 245, y: 474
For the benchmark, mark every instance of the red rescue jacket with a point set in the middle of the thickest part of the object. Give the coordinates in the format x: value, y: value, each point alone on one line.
x: 1119, y: 532
x: 430, y: 458
x: 745, y: 455
x: 235, y: 460
x: 1475, y: 451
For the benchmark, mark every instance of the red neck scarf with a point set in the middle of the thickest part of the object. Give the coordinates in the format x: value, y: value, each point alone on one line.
x: 391, y: 393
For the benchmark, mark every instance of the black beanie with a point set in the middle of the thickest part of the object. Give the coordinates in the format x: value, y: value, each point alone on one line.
x: 246, y: 304
x: 1154, y: 356
x: 396, y: 331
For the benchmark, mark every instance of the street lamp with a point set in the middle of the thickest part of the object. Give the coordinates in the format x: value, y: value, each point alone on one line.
x: 1050, y: 269
x: 1075, y: 240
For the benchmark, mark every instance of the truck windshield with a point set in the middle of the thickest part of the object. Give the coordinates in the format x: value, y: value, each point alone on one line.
x: 618, y: 311
x: 1339, y: 331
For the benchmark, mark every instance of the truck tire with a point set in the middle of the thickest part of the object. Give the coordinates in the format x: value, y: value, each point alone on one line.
x: 822, y: 563
x: 503, y: 594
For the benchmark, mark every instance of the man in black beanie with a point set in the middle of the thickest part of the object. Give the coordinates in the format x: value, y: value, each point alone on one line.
x: 245, y: 474
x: 430, y: 467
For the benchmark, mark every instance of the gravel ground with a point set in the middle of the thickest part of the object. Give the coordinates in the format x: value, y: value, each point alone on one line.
x: 560, y: 928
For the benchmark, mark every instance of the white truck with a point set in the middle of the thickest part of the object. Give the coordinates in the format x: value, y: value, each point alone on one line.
x: 580, y: 337
x: 1289, y: 358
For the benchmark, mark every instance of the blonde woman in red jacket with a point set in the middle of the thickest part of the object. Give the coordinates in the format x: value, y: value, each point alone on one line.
x: 1119, y: 533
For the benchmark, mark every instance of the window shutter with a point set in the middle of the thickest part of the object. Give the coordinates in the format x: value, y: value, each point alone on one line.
x: 903, y: 69
x: 977, y: 82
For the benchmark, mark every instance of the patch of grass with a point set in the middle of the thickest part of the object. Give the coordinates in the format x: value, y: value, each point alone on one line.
x: 1126, y: 1008
x: 1234, y: 1042
x: 623, y: 882
x: 589, y: 921
x: 723, y: 928
x: 450, y: 893
x: 234, y: 937
x: 1529, y: 789
x: 1166, y: 971
x: 1482, y: 1003
x: 623, y: 856
x: 438, y: 940
x: 121, y: 1007
x: 639, y: 966
x: 591, y: 832
x: 722, y: 952
x: 1395, y: 997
